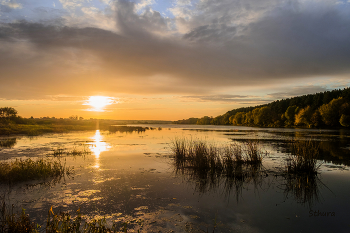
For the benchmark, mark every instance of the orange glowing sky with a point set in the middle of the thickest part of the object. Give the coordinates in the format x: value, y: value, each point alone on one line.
x: 167, y: 60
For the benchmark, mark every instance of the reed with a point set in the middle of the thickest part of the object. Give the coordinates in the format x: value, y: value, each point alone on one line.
x: 201, y: 155
x: 303, y: 157
x: 11, y: 222
x: 8, y: 143
x: 24, y: 170
x: 303, y: 187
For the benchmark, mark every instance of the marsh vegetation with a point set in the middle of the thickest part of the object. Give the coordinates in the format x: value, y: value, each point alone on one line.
x: 64, y: 222
x: 237, y: 165
x: 23, y: 170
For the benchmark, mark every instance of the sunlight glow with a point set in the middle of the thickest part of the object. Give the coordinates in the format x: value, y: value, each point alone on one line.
x: 98, y: 103
x: 98, y: 146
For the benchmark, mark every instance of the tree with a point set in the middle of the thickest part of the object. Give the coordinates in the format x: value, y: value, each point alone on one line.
x: 330, y: 112
x: 238, y: 119
x: 290, y: 114
x: 303, y: 117
x: 7, y: 114
x: 204, y: 120
x: 316, y: 119
x: 262, y: 116
x: 345, y: 120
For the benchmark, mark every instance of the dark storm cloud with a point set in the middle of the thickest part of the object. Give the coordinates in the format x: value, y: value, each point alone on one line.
x: 143, y: 57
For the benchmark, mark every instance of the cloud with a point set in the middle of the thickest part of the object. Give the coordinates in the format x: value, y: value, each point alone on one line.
x: 232, y: 99
x: 297, y: 91
x: 222, y: 44
x: 13, y: 4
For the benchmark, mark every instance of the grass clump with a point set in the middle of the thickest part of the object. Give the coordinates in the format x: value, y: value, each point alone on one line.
x: 8, y: 143
x: 11, y: 222
x: 304, y: 187
x: 210, y: 166
x: 202, y: 155
x: 303, y: 158
x: 24, y: 170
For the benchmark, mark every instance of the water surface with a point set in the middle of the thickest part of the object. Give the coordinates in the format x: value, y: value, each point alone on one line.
x: 129, y: 176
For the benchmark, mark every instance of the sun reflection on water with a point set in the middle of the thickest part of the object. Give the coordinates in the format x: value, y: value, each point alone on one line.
x: 98, y: 146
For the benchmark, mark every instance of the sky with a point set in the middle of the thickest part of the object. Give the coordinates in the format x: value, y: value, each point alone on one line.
x: 168, y: 59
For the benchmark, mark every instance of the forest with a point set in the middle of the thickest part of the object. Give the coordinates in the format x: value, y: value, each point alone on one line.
x: 321, y: 110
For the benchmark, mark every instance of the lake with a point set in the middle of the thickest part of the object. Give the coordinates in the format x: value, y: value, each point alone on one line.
x: 130, y: 177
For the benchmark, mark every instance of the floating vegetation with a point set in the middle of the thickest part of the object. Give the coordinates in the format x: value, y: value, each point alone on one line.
x: 60, y: 152
x: 24, y: 170
x: 59, y: 222
x: 124, y: 128
x: 303, y: 158
x: 8, y: 143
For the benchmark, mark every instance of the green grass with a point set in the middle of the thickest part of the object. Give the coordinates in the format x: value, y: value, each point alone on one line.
x: 24, y: 170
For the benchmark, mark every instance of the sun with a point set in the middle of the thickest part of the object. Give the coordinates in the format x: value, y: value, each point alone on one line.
x: 98, y: 103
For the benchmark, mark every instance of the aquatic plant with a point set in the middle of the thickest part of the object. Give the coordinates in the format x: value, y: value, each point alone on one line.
x: 11, y: 222
x: 303, y: 187
x: 210, y: 166
x: 23, y: 170
x: 60, y: 152
x: 201, y: 155
x: 64, y: 222
x: 303, y: 157
x: 8, y: 143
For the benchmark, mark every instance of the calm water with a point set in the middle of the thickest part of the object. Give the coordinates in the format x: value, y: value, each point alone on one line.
x: 130, y: 177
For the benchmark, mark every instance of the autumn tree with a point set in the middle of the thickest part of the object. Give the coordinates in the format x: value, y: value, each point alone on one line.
x: 290, y: 115
x: 303, y: 117
x: 330, y: 112
x: 238, y: 119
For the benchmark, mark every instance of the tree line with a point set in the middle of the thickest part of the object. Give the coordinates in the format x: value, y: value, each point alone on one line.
x: 324, y: 109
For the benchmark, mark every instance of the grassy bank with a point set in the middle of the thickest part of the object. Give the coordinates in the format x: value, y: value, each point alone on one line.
x: 34, y: 130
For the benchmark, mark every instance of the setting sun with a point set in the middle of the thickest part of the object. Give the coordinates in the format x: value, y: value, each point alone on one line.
x: 98, y: 103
